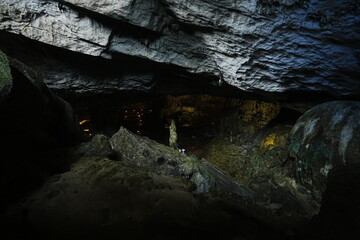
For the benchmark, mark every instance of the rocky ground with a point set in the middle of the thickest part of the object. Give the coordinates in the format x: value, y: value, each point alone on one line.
x: 106, y: 198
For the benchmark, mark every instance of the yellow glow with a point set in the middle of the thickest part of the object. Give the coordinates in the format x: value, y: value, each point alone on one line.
x: 84, y: 121
x: 269, y: 142
x: 188, y: 109
x: 86, y: 130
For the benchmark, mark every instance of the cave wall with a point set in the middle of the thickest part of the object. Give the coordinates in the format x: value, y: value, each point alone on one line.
x: 36, y: 127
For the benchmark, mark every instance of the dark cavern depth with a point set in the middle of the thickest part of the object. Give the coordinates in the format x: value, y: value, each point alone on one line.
x: 180, y: 119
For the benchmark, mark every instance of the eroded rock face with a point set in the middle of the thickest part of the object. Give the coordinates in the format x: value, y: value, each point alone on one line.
x: 255, y: 45
x: 324, y: 138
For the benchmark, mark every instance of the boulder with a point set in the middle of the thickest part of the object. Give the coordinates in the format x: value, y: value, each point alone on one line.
x: 324, y: 138
x: 144, y: 152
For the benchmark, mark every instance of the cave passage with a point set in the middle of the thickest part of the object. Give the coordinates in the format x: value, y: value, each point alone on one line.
x: 197, y: 119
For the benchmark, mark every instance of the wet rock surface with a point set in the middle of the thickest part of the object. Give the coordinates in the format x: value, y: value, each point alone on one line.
x: 255, y: 46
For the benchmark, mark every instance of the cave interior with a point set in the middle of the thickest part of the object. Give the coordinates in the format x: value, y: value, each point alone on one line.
x: 85, y: 148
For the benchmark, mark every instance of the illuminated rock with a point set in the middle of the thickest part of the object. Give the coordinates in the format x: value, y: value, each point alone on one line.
x: 255, y: 46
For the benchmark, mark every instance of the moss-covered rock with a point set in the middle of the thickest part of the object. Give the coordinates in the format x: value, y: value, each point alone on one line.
x: 243, y: 118
x: 256, y: 154
x: 144, y: 152
x: 99, y: 146
x: 104, y: 199
x: 325, y: 137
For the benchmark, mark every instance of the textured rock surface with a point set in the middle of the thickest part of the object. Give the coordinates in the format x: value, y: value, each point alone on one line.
x: 157, y: 157
x: 5, y: 76
x: 99, y: 146
x: 325, y: 137
x: 254, y: 45
x: 102, y: 199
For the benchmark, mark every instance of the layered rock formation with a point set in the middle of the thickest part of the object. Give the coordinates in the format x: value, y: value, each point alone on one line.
x: 255, y: 45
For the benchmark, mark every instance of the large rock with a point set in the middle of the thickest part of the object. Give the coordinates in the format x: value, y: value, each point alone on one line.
x: 324, y: 138
x: 34, y: 124
x: 147, y: 153
x: 256, y: 45
x: 104, y: 199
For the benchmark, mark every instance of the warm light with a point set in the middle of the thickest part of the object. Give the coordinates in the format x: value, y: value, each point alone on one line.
x: 189, y: 109
x: 269, y: 142
x: 86, y: 130
x: 84, y: 121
